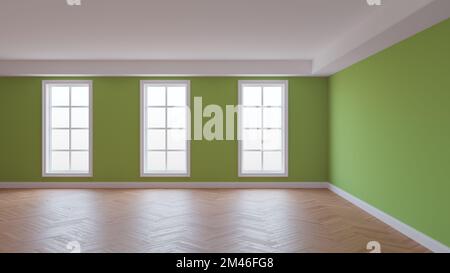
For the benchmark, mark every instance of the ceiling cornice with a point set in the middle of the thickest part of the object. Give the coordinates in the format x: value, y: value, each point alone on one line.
x: 380, y: 32
x: 375, y: 34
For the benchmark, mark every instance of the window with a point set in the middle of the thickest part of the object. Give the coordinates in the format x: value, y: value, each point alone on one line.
x: 263, y: 128
x: 165, y: 128
x: 67, y: 133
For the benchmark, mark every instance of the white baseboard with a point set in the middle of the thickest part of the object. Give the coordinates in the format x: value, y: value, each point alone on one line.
x: 407, y: 230
x: 163, y: 185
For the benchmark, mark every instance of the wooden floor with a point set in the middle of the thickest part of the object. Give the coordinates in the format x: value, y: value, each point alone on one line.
x: 235, y: 220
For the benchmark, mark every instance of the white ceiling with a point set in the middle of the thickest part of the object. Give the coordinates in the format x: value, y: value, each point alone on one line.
x: 304, y: 37
x: 174, y: 29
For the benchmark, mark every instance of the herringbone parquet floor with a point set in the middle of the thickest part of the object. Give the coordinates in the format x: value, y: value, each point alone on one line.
x: 200, y: 220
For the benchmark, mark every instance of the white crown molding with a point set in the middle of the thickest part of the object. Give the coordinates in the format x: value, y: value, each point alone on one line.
x: 379, y: 32
x: 407, y: 230
x: 156, y: 68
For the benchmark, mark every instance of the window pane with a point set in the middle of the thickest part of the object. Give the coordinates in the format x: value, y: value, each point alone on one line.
x: 176, y: 161
x: 251, y: 139
x: 60, y: 96
x: 80, y: 96
x: 251, y: 161
x: 251, y: 117
x: 80, y: 161
x: 166, y: 115
x: 59, y: 161
x: 80, y: 139
x: 176, y: 117
x: 60, y: 139
x: 80, y: 117
x: 156, y: 139
x: 273, y: 161
x: 272, y: 139
x: 156, y: 161
x: 176, y: 139
x: 272, y: 95
x: 156, y: 96
x: 68, y: 108
x: 60, y: 117
x: 176, y: 96
x: 251, y: 96
x: 262, y: 128
x: 156, y: 117
x: 272, y: 117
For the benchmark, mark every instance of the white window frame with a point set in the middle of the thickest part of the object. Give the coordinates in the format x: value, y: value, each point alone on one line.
x: 284, y: 123
x: 144, y: 107
x: 46, y: 127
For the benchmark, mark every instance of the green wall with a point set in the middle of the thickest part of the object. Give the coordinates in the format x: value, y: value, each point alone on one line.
x: 116, y: 130
x: 390, y: 131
